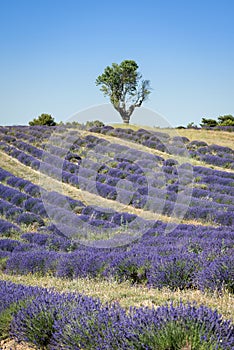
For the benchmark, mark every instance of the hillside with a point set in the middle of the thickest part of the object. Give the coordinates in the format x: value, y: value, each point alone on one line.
x: 221, y: 138
x: 128, y: 215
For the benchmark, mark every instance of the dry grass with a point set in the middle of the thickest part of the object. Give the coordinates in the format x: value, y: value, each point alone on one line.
x: 18, y: 169
x: 222, y: 138
x: 173, y: 132
x: 128, y: 295
x: 11, y: 344
x: 110, y: 291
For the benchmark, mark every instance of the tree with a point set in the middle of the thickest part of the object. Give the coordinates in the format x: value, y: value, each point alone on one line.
x: 191, y: 125
x: 43, y: 119
x: 125, y: 87
x: 91, y: 124
x: 208, y: 123
x: 226, y: 120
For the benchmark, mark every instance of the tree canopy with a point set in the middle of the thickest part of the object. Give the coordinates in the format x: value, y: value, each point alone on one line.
x: 208, y: 123
x: 125, y: 87
x: 223, y: 120
x: 226, y: 120
x: 43, y: 119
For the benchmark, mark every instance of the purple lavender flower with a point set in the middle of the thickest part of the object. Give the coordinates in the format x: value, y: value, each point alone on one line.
x: 7, y: 227
x: 29, y: 218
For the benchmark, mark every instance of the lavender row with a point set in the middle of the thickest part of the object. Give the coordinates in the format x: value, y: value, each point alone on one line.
x: 207, y: 173
x: 16, y: 186
x: 27, y: 133
x: 169, y: 171
x: 25, y: 202
x: 145, y: 196
x: 53, y: 321
x: 143, y: 159
x: 20, y: 207
x: 139, y: 199
x: 25, y: 198
x: 221, y: 213
x: 214, y: 154
x: 188, y: 257
x: 228, y: 128
x: 100, y: 219
x: 91, y: 141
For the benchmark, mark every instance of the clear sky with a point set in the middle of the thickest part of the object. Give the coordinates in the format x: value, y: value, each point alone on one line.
x: 51, y: 52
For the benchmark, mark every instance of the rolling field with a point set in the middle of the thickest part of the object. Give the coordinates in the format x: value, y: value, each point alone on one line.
x: 100, y: 228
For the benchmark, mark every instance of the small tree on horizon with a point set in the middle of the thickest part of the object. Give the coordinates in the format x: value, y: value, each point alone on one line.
x: 226, y: 120
x: 43, y: 119
x: 208, y: 123
x: 125, y: 87
x: 191, y: 125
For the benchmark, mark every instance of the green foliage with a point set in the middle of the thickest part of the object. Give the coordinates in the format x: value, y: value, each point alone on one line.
x: 176, y: 335
x: 96, y: 123
x: 191, y: 125
x: 6, y: 317
x: 3, y: 262
x: 124, y: 86
x: 223, y: 120
x: 43, y: 119
x: 73, y: 123
x: 208, y: 123
x: 40, y: 328
x: 226, y: 120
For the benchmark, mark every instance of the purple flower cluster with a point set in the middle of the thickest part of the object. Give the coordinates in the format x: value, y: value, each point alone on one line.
x: 54, y: 321
x: 26, y: 203
x: 228, y: 128
x: 7, y: 227
x: 35, y: 133
x: 141, y: 180
x: 215, y: 155
x: 152, y: 139
x: 11, y: 293
x: 180, y: 259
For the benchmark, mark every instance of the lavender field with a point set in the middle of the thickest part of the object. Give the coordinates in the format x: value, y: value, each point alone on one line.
x: 142, y: 207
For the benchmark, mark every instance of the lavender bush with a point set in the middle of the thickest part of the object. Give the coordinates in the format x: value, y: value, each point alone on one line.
x: 53, y: 321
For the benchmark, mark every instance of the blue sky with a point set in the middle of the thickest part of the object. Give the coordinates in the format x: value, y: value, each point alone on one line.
x: 51, y: 52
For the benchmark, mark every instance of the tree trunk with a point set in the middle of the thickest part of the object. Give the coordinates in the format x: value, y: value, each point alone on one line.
x: 126, y: 119
x: 125, y: 116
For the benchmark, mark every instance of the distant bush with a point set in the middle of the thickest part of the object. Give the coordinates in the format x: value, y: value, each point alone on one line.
x: 223, y: 121
x: 208, y: 122
x: 192, y: 126
x: 180, y: 127
x: 73, y: 123
x: 94, y: 123
x: 226, y: 120
x: 43, y: 119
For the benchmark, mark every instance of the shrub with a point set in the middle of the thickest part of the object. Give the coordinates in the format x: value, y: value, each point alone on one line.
x: 43, y: 119
x: 6, y: 227
x: 12, y: 298
x: 29, y: 218
x: 94, y: 124
x: 34, y: 323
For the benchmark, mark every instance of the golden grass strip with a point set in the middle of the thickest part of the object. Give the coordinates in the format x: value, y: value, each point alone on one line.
x: 18, y: 169
x: 126, y: 294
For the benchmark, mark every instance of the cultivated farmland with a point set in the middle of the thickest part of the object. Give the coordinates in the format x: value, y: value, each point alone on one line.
x: 100, y: 228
